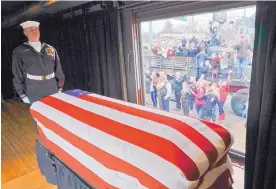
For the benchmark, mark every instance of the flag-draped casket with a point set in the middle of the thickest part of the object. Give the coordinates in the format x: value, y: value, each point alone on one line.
x: 115, y: 144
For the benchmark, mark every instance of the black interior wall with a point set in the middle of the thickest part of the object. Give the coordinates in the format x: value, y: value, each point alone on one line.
x: 88, y: 49
x: 260, y: 159
x: 10, y: 38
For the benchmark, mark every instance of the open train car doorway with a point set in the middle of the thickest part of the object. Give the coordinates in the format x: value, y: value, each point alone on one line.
x: 206, y: 53
x: 197, y: 62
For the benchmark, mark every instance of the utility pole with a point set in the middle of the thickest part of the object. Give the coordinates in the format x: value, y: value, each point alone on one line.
x: 150, y: 42
x: 150, y: 33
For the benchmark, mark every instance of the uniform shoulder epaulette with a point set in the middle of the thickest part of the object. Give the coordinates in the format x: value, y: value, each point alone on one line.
x: 16, y: 49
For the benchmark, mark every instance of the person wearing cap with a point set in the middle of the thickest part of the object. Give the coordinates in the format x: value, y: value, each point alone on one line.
x: 36, y: 67
x: 242, y: 55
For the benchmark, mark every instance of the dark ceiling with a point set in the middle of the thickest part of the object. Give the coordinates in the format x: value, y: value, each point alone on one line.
x: 14, y: 12
x: 11, y: 7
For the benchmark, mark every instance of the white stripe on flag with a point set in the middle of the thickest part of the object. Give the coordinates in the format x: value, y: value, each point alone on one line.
x: 161, y: 130
x: 115, y: 178
x: 208, y: 133
x: 160, y: 169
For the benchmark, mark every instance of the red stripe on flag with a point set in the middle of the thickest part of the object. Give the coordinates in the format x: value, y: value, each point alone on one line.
x: 84, y: 173
x: 106, y: 159
x: 222, y: 132
x: 155, y: 144
x: 204, y: 144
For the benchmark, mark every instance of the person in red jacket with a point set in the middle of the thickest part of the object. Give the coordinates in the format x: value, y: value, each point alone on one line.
x: 223, y: 93
x: 199, y: 101
x: 170, y: 52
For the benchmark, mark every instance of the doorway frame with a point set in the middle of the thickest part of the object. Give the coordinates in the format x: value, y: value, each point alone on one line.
x: 153, y: 13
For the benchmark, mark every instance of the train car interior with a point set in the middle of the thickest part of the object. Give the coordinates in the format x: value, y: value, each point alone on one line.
x: 156, y: 71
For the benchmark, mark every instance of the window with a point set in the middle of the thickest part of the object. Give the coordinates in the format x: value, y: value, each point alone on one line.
x: 200, y: 66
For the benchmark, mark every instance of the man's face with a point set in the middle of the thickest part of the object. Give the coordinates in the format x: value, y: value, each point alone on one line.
x: 32, y: 33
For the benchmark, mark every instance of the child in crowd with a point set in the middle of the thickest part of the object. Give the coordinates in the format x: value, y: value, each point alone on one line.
x: 211, y: 100
x: 199, y: 92
x: 185, y: 98
x: 223, y: 93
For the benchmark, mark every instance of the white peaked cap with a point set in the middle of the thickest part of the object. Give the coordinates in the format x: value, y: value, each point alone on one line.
x: 29, y: 24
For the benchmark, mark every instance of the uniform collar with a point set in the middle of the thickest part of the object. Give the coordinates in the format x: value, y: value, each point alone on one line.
x: 42, y: 45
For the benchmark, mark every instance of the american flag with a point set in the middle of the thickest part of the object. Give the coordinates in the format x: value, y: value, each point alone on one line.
x: 115, y: 144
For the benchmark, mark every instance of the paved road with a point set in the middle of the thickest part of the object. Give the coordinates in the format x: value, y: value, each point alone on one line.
x: 235, y: 124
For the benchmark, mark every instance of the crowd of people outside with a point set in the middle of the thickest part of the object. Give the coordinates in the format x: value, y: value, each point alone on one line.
x: 188, y: 47
x: 204, y: 90
x: 205, y: 97
x: 207, y: 59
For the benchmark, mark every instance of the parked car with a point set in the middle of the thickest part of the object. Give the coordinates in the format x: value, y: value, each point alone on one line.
x: 239, y: 91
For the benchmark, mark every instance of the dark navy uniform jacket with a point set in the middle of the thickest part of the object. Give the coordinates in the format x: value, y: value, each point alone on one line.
x: 26, y: 60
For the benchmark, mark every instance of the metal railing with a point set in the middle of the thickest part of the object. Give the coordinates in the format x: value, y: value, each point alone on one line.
x: 172, y: 62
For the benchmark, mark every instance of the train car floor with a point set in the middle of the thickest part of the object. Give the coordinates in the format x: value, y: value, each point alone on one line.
x: 19, y: 165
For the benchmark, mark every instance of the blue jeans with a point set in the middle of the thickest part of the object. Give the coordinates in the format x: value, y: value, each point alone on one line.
x: 210, y: 113
x: 240, y: 67
x: 201, y: 70
x: 198, y: 110
x: 221, y: 110
x: 177, y: 98
x: 165, y: 104
x: 153, y: 95
x: 191, y: 104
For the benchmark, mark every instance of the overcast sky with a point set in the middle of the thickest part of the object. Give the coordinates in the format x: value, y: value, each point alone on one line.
x: 200, y: 19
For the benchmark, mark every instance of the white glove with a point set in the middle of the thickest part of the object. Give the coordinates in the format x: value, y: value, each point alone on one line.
x: 60, y: 90
x: 26, y: 100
